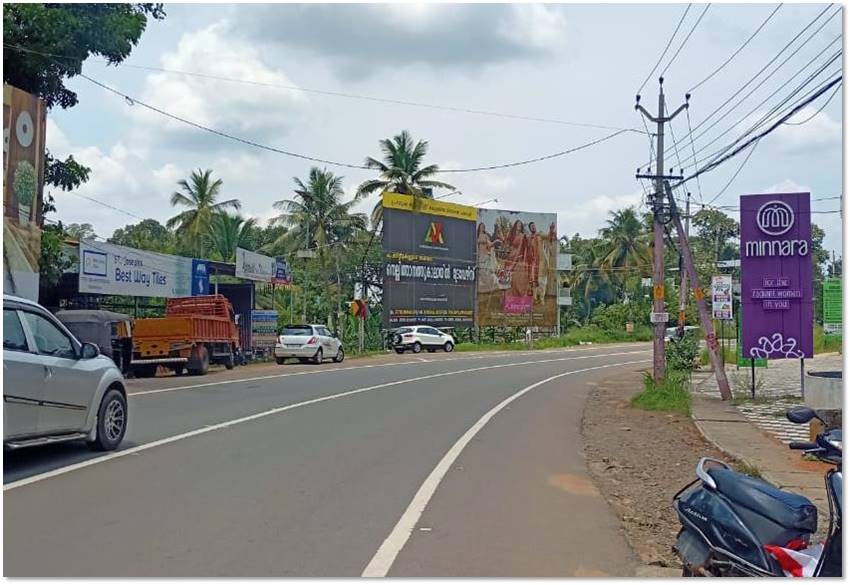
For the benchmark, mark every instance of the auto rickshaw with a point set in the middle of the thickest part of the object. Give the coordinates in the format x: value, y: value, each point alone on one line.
x: 111, y: 332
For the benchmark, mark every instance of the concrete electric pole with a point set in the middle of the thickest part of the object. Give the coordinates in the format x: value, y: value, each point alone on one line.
x: 659, y: 317
x: 683, y: 288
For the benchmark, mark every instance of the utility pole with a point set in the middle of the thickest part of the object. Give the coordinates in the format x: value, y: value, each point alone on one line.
x: 705, y: 318
x: 683, y: 288
x: 658, y: 316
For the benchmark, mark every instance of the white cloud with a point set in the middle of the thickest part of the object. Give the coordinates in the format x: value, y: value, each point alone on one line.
x: 820, y: 131
x: 247, y: 110
x: 535, y: 25
x: 787, y: 186
x: 588, y: 217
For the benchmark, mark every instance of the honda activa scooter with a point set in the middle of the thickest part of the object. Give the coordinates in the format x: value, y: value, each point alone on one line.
x: 728, y: 518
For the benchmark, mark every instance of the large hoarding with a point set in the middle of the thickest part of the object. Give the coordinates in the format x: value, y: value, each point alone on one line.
x: 429, y: 255
x: 253, y: 266
x: 517, y: 268
x: 109, y: 269
x: 23, y: 181
x: 776, y: 276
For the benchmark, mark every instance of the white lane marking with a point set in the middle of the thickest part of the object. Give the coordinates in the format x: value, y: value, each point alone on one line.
x: 223, y: 425
x: 384, y: 558
x: 345, y: 369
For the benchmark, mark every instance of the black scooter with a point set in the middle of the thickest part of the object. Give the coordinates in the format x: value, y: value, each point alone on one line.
x: 727, y: 517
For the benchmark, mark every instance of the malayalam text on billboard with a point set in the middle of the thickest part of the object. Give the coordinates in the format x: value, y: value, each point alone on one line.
x: 429, y: 258
x: 517, y: 268
x: 776, y: 276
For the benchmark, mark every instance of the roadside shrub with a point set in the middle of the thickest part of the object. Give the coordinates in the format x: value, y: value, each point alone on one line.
x: 614, y: 317
x: 671, y: 395
x: 826, y: 343
x: 682, y: 353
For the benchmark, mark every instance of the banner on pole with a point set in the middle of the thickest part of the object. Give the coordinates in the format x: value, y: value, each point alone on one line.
x: 721, y: 297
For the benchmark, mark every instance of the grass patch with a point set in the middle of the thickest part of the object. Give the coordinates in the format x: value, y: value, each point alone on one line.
x: 577, y: 336
x: 669, y: 396
x: 730, y: 353
x: 826, y: 343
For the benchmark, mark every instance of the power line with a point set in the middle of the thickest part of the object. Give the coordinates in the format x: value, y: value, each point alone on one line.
x: 717, y: 162
x: 693, y: 150
x: 375, y: 99
x: 118, y: 209
x: 769, y: 63
x: 133, y: 101
x: 738, y: 50
x: 538, y: 159
x: 684, y: 42
x: 664, y: 52
x: 825, y: 104
x: 740, y: 168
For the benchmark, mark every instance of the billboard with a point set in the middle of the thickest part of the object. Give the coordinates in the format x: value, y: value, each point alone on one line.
x: 23, y: 181
x: 517, y: 268
x: 429, y: 255
x: 108, y: 269
x: 253, y: 266
x: 832, y: 306
x: 282, y: 274
x: 776, y: 276
x: 264, y: 328
x: 721, y: 297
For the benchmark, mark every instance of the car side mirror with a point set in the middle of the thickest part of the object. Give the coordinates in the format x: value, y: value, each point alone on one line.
x: 89, y: 351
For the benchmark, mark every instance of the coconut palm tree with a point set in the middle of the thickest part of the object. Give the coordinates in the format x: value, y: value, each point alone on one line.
x: 198, y: 196
x: 227, y: 232
x: 401, y: 170
x: 625, y: 240
x: 591, y: 278
x: 316, y: 216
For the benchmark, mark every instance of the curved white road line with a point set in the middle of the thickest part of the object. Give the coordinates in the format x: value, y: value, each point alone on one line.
x: 383, y: 560
x: 223, y: 425
x: 483, y: 355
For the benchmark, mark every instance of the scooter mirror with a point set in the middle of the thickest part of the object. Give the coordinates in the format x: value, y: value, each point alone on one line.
x: 801, y: 415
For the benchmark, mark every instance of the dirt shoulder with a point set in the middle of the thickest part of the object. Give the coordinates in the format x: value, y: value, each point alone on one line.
x: 639, y: 460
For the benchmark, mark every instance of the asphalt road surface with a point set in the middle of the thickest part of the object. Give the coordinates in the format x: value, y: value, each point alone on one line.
x: 433, y: 465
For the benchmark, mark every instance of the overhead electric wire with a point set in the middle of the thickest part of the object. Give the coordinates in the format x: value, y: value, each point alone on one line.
x: 717, y: 162
x: 819, y: 110
x: 738, y: 50
x: 684, y: 42
x: 799, y: 88
x: 666, y: 48
x: 769, y: 63
x: 376, y: 99
x: 735, y: 176
x: 693, y: 150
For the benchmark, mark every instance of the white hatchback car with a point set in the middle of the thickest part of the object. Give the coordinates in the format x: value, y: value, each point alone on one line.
x: 418, y: 337
x: 56, y: 389
x: 308, y: 343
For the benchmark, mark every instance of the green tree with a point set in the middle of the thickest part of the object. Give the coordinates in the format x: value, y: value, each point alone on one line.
x: 198, y: 196
x: 227, y: 232
x: 45, y: 44
x: 80, y: 231
x: 714, y: 228
x: 316, y: 217
x: 624, y: 240
x: 148, y: 235
x: 401, y: 170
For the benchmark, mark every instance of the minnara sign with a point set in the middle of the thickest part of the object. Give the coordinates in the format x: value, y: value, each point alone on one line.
x: 776, y: 276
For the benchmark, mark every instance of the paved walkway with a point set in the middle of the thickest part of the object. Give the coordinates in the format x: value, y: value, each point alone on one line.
x: 778, y: 388
x: 727, y: 427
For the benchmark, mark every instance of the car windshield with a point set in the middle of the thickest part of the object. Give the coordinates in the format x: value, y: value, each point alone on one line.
x: 297, y: 330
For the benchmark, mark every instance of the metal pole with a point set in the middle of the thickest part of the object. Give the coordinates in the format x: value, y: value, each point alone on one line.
x: 753, y: 370
x: 705, y: 317
x: 803, y: 377
x: 683, y: 288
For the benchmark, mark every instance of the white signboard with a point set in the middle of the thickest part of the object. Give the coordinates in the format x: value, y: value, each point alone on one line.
x: 254, y: 266
x: 565, y: 262
x: 721, y: 297
x: 108, y: 269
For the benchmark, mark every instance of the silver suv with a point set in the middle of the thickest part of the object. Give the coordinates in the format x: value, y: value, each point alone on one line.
x: 55, y: 388
x: 418, y: 337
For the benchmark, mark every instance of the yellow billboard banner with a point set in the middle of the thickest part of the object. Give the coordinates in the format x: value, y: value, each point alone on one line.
x: 429, y: 206
x: 24, y: 121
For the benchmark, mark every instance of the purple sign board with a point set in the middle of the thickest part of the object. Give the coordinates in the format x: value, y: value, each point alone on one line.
x: 776, y: 276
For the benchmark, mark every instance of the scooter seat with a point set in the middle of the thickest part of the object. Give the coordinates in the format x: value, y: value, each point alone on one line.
x: 784, y: 508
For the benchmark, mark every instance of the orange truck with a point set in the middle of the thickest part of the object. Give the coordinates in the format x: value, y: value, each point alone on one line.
x: 195, y: 332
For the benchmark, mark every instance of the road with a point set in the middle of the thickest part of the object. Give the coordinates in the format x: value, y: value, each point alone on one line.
x: 439, y: 465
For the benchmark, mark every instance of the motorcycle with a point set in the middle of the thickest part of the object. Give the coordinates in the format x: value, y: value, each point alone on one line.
x: 728, y: 518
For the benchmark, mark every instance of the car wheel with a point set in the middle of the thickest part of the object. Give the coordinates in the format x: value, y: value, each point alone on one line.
x: 449, y: 347
x: 417, y: 347
x: 280, y: 361
x: 111, y: 421
x: 319, y: 357
x: 399, y: 350
x: 201, y: 359
x: 230, y: 362
x: 340, y: 355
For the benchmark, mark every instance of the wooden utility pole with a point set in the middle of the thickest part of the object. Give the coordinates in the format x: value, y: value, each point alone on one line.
x: 705, y: 318
x: 658, y: 317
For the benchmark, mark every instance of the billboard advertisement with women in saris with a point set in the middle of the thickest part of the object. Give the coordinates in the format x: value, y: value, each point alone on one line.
x: 517, y: 256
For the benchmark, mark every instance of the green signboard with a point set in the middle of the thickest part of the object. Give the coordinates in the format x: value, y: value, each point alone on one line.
x: 746, y: 361
x: 832, y: 308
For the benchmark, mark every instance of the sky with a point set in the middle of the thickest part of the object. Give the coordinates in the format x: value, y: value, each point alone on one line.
x: 559, y: 64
